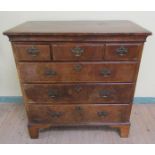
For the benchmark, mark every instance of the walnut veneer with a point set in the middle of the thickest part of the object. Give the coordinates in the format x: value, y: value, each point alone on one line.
x: 78, y: 73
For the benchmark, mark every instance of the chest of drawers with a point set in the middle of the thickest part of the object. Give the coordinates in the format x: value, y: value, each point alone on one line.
x: 78, y: 73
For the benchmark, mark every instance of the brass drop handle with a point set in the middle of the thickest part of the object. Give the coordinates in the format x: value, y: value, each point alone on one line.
x: 52, y: 93
x: 77, y: 51
x: 77, y: 67
x: 121, y: 51
x: 102, y: 113
x: 105, y: 93
x: 50, y: 72
x: 105, y: 72
x: 55, y: 114
x: 33, y: 51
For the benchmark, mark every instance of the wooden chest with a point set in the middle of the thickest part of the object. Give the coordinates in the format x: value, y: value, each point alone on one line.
x: 78, y: 73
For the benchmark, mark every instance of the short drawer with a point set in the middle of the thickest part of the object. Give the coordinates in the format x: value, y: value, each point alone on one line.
x: 123, y: 51
x: 78, y: 72
x: 79, y: 93
x: 32, y: 52
x: 74, y: 114
x: 77, y: 51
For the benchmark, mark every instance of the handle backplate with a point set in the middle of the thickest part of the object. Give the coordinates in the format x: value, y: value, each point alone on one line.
x: 33, y: 51
x: 50, y: 72
x: 78, y: 88
x: 53, y: 93
x: 77, y: 51
x: 105, y: 72
x: 78, y: 109
x: 121, y: 51
x: 102, y: 113
x: 77, y: 67
x: 104, y: 93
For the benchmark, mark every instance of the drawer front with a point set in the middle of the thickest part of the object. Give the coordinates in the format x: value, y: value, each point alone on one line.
x: 79, y: 93
x: 26, y: 52
x: 123, y: 51
x: 77, y: 72
x: 74, y: 114
x: 77, y: 51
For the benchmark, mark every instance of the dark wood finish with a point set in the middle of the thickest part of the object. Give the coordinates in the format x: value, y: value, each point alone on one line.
x: 32, y: 52
x: 68, y: 28
x: 77, y: 51
x: 93, y: 70
x: 123, y: 129
x: 78, y: 72
x: 79, y: 93
x: 79, y: 38
x: 123, y: 51
x: 33, y: 131
x: 72, y: 114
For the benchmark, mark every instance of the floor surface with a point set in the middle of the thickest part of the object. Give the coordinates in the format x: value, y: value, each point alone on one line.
x: 13, y: 129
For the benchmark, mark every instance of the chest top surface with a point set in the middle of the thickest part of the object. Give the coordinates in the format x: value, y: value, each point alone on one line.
x: 115, y: 27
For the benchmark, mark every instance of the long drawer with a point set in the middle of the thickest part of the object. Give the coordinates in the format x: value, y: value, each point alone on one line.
x: 79, y: 93
x: 78, y: 72
x: 73, y: 114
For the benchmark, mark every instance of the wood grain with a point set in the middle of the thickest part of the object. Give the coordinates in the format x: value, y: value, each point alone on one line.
x: 67, y: 52
x: 95, y: 54
x: 23, y: 52
x: 78, y: 114
x: 71, y: 28
x: 79, y: 93
x: 78, y: 72
x: 132, y: 52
